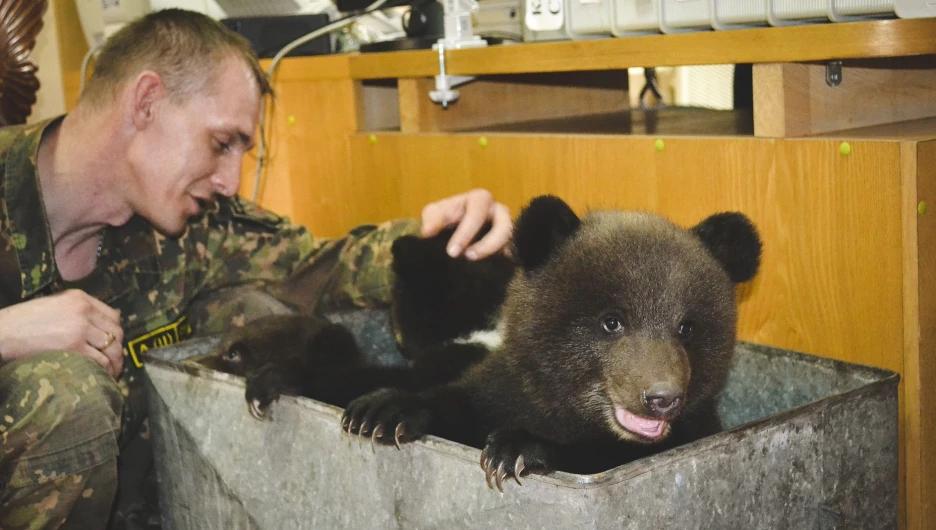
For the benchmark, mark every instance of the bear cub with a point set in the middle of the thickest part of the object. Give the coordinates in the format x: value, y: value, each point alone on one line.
x: 310, y: 356
x: 615, y: 336
x: 298, y: 355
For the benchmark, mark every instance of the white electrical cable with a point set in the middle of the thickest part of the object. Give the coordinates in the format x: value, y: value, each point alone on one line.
x: 84, y: 64
x: 334, y: 26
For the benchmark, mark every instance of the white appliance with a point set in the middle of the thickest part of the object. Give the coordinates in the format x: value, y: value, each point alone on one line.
x: 102, y: 18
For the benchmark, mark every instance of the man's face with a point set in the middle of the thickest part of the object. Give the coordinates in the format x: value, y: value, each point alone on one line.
x: 192, y: 150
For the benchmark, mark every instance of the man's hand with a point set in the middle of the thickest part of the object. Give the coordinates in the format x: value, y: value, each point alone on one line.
x: 71, y: 320
x: 470, y: 211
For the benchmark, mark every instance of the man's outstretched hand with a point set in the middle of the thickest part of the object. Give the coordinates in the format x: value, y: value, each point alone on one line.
x: 469, y: 211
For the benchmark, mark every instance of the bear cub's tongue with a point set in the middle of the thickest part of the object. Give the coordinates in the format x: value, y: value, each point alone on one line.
x: 644, y: 427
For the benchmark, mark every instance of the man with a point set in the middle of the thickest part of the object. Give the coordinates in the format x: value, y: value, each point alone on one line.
x: 109, y: 230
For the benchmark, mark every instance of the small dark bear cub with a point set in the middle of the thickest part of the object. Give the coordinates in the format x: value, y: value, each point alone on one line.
x: 617, y: 330
x: 443, y: 309
x: 301, y: 355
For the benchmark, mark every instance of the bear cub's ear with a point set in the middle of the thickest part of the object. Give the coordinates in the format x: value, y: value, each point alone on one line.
x: 732, y: 238
x: 542, y: 227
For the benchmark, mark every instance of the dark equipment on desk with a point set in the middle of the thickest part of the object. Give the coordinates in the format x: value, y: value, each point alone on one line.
x: 422, y: 24
x: 268, y: 35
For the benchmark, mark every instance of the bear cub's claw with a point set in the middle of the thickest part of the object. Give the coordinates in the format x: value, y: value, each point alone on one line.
x: 385, y: 411
x: 515, y: 453
x: 264, y: 386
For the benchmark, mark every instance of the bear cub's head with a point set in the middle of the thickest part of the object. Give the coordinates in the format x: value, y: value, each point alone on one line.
x: 288, y: 344
x: 631, y: 314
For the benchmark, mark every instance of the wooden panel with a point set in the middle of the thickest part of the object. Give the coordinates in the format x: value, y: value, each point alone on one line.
x: 668, y: 121
x: 795, y: 100
x: 71, y: 85
x: 308, y: 152
x: 316, y: 68
x: 770, y: 101
x: 909, y: 390
x: 917, y: 130
x: 838, y: 226
x: 926, y: 186
x: 72, y: 48
x: 315, y: 109
x: 485, y: 102
x: 819, y: 42
x: 71, y: 39
x: 831, y: 224
x: 920, y: 336
x: 381, y: 107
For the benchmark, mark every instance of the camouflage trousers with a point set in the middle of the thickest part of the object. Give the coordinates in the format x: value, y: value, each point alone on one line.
x: 60, y: 422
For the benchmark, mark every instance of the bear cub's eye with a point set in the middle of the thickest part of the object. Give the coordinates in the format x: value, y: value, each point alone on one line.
x: 685, y: 331
x: 233, y: 355
x: 611, y: 324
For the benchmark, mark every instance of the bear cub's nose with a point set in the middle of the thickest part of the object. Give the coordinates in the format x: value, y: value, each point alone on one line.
x: 663, y: 400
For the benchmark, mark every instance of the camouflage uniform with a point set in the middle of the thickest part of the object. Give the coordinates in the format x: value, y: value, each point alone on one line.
x: 66, y: 426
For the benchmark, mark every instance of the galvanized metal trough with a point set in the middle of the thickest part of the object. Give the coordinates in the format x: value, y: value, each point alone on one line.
x: 811, y: 444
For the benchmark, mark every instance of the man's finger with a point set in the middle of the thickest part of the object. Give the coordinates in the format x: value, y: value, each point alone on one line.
x: 440, y: 214
x: 92, y: 353
x: 116, y: 361
x: 496, y: 238
x: 477, y: 207
x: 109, y: 343
x: 106, y: 325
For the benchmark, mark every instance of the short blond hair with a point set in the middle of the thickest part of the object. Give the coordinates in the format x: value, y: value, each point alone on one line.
x: 184, y: 48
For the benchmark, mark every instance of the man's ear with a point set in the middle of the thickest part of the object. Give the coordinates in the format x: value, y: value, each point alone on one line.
x: 147, y: 90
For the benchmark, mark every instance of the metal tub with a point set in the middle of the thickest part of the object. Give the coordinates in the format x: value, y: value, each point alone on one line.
x: 810, y: 443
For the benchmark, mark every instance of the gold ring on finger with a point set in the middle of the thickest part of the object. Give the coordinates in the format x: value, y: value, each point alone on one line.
x: 110, y: 340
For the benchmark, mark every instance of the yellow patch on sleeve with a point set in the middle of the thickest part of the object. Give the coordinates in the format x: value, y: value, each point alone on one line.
x: 164, y: 336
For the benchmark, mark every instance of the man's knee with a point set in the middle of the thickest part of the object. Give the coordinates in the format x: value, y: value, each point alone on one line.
x: 59, y: 414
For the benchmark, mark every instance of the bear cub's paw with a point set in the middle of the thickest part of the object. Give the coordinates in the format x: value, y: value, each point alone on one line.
x: 388, y: 416
x: 264, y: 386
x: 515, y: 453
x: 286, y: 354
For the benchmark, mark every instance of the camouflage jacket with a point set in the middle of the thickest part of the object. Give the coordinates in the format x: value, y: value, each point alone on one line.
x: 153, y: 280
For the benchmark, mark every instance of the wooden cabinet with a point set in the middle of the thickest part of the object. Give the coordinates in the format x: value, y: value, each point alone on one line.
x: 849, y: 231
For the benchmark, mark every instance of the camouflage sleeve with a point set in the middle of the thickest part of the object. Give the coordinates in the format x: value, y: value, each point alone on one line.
x: 241, y: 243
x: 361, y: 276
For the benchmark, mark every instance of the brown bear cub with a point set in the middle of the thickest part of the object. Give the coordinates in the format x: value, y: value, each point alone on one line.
x: 617, y: 333
x: 283, y: 354
x: 305, y: 356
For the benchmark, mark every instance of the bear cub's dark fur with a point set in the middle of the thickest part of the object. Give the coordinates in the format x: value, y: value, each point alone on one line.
x: 617, y: 333
x: 310, y: 356
x: 298, y: 355
x: 439, y: 303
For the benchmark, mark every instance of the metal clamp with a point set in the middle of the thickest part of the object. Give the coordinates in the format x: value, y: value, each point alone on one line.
x: 445, y: 92
x: 457, y: 34
x: 833, y: 73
